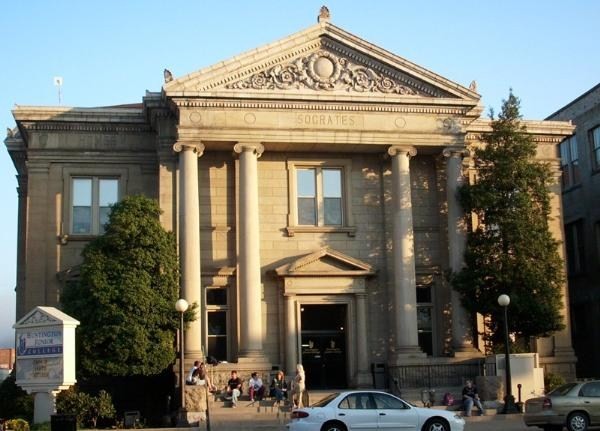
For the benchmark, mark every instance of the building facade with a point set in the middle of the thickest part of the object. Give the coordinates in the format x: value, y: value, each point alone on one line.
x: 311, y: 184
x: 580, y: 165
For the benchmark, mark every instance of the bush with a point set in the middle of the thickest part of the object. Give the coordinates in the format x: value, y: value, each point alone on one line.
x: 44, y: 426
x: 17, y: 425
x: 14, y: 401
x: 553, y: 381
x: 86, y: 408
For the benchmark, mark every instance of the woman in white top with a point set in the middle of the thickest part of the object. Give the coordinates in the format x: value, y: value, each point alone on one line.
x: 299, y: 386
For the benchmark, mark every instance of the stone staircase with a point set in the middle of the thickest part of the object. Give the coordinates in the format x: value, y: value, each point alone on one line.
x: 267, y: 415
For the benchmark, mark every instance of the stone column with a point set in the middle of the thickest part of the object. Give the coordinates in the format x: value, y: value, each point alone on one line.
x: 363, y: 376
x: 291, y: 341
x: 405, y: 292
x: 189, y: 239
x: 462, y: 326
x: 249, y: 252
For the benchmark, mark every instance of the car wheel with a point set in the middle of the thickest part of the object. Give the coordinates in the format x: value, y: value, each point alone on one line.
x: 333, y: 426
x: 577, y: 422
x: 436, y: 424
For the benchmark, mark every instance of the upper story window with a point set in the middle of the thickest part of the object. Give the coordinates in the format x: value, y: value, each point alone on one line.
x: 595, y: 146
x: 569, y: 162
x: 91, y: 199
x: 574, y: 244
x: 319, y: 196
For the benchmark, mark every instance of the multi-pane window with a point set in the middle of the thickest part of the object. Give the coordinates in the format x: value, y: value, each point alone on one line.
x: 217, y: 311
x: 595, y: 147
x: 425, y: 318
x: 319, y: 194
x: 575, y: 247
x: 91, y: 200
x: 569, y: 162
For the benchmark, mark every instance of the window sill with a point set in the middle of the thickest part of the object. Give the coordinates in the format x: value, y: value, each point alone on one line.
x: 65, y: 238
x: 349, y: 230
x: 571, y: 188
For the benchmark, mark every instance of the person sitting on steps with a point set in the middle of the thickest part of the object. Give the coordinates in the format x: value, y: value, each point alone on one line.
x: 279, y: 387
x: 471, y: 397
x: 234, y: 388
x: 256, y: 389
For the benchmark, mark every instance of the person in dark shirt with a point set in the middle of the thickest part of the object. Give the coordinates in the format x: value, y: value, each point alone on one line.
x: 234, y: 388
x: 279, y: 387
x: 471, y: 397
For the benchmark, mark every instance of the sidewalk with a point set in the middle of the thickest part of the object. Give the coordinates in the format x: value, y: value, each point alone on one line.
x: 253, y: 422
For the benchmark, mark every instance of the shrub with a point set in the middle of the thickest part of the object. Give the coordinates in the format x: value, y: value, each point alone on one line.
x: 553, y: 381
x: 86, y: 408
x: 17, y: 425
x: 14, y: 401
x: 44, y: 426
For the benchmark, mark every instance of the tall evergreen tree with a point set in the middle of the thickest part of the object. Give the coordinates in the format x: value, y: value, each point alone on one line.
x: 511, y: 249
x: 126, y: 294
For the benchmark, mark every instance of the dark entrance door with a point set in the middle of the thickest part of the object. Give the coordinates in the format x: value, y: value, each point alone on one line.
x: 324, y: 345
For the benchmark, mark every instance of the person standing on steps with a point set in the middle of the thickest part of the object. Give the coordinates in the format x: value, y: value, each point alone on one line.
x: 299, y: 386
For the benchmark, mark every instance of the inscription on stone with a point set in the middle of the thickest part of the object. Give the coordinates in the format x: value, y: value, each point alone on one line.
x: 328, y: 120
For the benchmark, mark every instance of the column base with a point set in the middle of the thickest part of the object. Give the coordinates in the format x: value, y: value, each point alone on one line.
x: 401, y: 354
x: 195, y: 355
x: 364, y: 379
x: 466, y: 352
x: 254, y: 358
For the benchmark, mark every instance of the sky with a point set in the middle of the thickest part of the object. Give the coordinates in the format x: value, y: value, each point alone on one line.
x: 110, y: 52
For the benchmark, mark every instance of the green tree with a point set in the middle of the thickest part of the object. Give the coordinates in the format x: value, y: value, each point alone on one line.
x: 126, y: 294
x: 14, y: 401
x: 511, y: 250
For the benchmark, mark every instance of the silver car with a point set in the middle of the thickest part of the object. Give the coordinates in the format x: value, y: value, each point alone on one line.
x: 574, y: 405
x: 371, y: 410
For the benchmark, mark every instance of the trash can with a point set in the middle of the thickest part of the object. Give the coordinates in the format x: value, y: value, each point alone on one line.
x: 63, y: 423
x: 379, y: 372
x: 131, y: 419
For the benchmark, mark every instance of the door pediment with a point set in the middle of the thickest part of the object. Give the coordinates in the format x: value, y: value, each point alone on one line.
x: 323, y: 60
x: 325, y: 272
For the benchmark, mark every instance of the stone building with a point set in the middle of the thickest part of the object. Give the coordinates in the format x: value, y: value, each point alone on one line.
x: 580, y: 165
x: 311, y: 183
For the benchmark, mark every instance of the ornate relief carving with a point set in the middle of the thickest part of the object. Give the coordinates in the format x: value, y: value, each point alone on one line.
x: 39, y: 317
x: 323, y: 70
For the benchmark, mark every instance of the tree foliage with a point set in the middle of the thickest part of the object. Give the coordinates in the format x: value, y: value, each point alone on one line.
x: 14, y: 401
x: 126, y: 294
x: 511, y: 249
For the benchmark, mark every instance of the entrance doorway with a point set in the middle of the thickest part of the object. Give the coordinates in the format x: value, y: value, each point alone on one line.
x: 324, y: 345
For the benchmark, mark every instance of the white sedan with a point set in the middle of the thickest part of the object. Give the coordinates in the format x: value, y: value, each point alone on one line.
x: 371, y: 410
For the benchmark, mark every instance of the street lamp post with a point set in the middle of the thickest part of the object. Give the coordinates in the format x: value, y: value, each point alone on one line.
x: 181, y: 306
x: 509, y: 399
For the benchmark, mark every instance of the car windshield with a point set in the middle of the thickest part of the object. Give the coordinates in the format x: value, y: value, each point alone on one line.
x: 562, y: 390
x: 325, y: 400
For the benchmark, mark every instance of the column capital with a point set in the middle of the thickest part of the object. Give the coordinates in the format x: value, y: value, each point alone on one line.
x: 449, y: 152
x: 196, y: 147
x: 407, y: 150
x: 256, y: 148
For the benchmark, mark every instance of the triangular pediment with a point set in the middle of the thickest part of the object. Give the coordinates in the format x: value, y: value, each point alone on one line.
x: 45, y: 316
x: 325, y: 262
x: 320, y: 59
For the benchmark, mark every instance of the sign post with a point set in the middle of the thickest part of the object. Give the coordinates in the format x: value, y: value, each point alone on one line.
x: 45, y: 357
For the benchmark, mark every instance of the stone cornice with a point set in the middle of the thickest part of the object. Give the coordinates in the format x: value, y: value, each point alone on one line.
x: 426, y: 106
x: 48, y: 126
x: 544, y: 132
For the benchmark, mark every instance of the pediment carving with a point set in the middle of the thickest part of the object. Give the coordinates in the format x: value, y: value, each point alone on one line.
x: 326, y: 262
x: 38, y: 317
x: 324, y: 70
